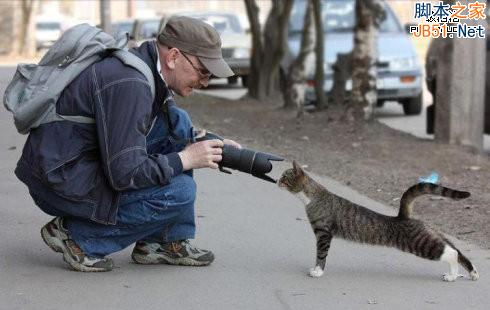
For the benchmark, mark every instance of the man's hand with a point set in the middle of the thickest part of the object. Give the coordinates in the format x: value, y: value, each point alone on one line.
x: 232, y: 143
x: 202, y: 154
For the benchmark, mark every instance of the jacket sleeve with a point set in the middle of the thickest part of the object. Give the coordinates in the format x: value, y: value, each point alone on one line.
x: 122, y: 116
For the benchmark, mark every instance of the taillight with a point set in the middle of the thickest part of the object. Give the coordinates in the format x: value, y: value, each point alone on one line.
x: 407, y: 79
x: 310, y: 83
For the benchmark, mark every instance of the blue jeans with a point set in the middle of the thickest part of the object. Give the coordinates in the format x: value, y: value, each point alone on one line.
x: 155, y: 214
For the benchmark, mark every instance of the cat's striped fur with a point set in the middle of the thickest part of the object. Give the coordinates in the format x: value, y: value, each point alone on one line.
x: 332, y: 216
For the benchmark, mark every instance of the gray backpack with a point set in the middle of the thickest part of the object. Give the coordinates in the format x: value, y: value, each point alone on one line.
x: 34, y: 90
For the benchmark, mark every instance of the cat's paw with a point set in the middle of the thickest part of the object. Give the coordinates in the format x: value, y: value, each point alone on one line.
x: 315, y: 272
x: 449, y: 277
x: 474, y: 275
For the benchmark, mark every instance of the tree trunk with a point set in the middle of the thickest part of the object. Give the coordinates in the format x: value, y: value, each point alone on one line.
x: 369, y: 14
x: 256, y: 31
x: 268, y: 48
x: 342, y: 71
x: 27, y: 43
x: 294, y: 96
x: 321, y: 100
x: 131, y: 8
x: 105, y: 16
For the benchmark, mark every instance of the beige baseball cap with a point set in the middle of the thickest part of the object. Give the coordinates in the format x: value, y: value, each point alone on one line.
x: 195, y: 37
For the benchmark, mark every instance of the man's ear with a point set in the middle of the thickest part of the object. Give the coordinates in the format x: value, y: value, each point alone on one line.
x: 170, y: 57
x: 297, y: 168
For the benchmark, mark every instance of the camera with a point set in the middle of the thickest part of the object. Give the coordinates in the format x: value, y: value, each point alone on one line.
x: 245, y: 160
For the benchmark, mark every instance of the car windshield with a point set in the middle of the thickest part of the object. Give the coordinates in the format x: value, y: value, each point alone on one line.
x: 338, y: 16
x: 48, y: 26
x: 149, y: 29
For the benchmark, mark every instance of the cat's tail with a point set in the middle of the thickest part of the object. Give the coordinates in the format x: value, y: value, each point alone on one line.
x: 426, y: 189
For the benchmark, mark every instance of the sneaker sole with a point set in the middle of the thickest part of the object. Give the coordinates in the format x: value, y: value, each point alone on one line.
x: 155, y: 260
x: 76, y: 266
x: 58, y: 246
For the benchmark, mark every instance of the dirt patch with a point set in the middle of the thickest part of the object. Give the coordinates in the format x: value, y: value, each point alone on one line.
x: 372, y: 158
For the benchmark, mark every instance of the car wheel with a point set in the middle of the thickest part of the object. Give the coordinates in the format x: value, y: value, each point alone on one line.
x: 413, y: 106
x: 380, y: 103
x: 232, y: 80
x: 245, y: 80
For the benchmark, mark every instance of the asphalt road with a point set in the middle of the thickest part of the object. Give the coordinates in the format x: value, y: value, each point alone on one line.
x: 263, y: 247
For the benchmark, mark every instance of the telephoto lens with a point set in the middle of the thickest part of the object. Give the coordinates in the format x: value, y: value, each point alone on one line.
x: 245, y: 160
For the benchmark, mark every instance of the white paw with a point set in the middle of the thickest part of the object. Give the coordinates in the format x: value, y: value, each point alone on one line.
x: 315, y: 272
x: 449, y: 277
x: 474, y: 275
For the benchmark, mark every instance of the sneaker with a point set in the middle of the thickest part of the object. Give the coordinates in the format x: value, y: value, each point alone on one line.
x: 172, y: 253
x: 58, y: 239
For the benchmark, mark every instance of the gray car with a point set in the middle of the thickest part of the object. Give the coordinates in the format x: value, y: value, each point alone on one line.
x: 122, y: 26
x: 398, y: 67
x: 139, y: 29
x: 236, y: 43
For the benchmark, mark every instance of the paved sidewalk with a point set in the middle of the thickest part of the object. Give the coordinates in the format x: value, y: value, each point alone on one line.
x: 263, y: 247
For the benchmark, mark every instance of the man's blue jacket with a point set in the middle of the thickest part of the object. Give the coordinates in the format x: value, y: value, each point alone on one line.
x: 89, y: 165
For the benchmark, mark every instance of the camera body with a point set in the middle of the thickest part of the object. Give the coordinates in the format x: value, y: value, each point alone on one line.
x: 245, y: 160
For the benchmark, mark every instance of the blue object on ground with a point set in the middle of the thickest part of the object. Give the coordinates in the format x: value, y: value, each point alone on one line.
x: 433, y: 178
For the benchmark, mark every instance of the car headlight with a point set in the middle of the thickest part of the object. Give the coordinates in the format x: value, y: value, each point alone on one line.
x: 241, y: 52
x: 400, y: 64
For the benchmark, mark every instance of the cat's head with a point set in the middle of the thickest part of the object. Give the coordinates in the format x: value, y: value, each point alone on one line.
x: 293, y: 179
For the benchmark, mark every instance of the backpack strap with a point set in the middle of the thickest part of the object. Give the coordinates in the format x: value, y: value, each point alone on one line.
x: 134, y: 61
x: 128, y: 59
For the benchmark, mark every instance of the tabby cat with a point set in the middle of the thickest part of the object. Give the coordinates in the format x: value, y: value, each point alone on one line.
x: 332, y: 216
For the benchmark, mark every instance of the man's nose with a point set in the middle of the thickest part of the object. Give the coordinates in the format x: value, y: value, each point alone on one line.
x: 204, y: 82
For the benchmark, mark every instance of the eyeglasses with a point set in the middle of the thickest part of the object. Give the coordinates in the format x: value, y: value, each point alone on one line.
x: 203, y: 73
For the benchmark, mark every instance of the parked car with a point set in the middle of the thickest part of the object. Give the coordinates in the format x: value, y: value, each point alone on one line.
x: 47, y: 32
x: 122, y: 26
x: 399, y: 72
x: 236, y: 43
x: 145, y: 29
x: 138, y: 29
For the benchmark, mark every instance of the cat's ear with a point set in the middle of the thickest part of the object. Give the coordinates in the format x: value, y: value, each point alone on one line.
x: 297, y: 168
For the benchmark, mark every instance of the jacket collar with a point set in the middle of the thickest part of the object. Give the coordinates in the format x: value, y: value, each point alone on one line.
x: 148, y: 53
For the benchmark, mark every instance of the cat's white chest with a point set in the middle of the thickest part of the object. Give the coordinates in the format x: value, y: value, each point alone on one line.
x: 304, y: 199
